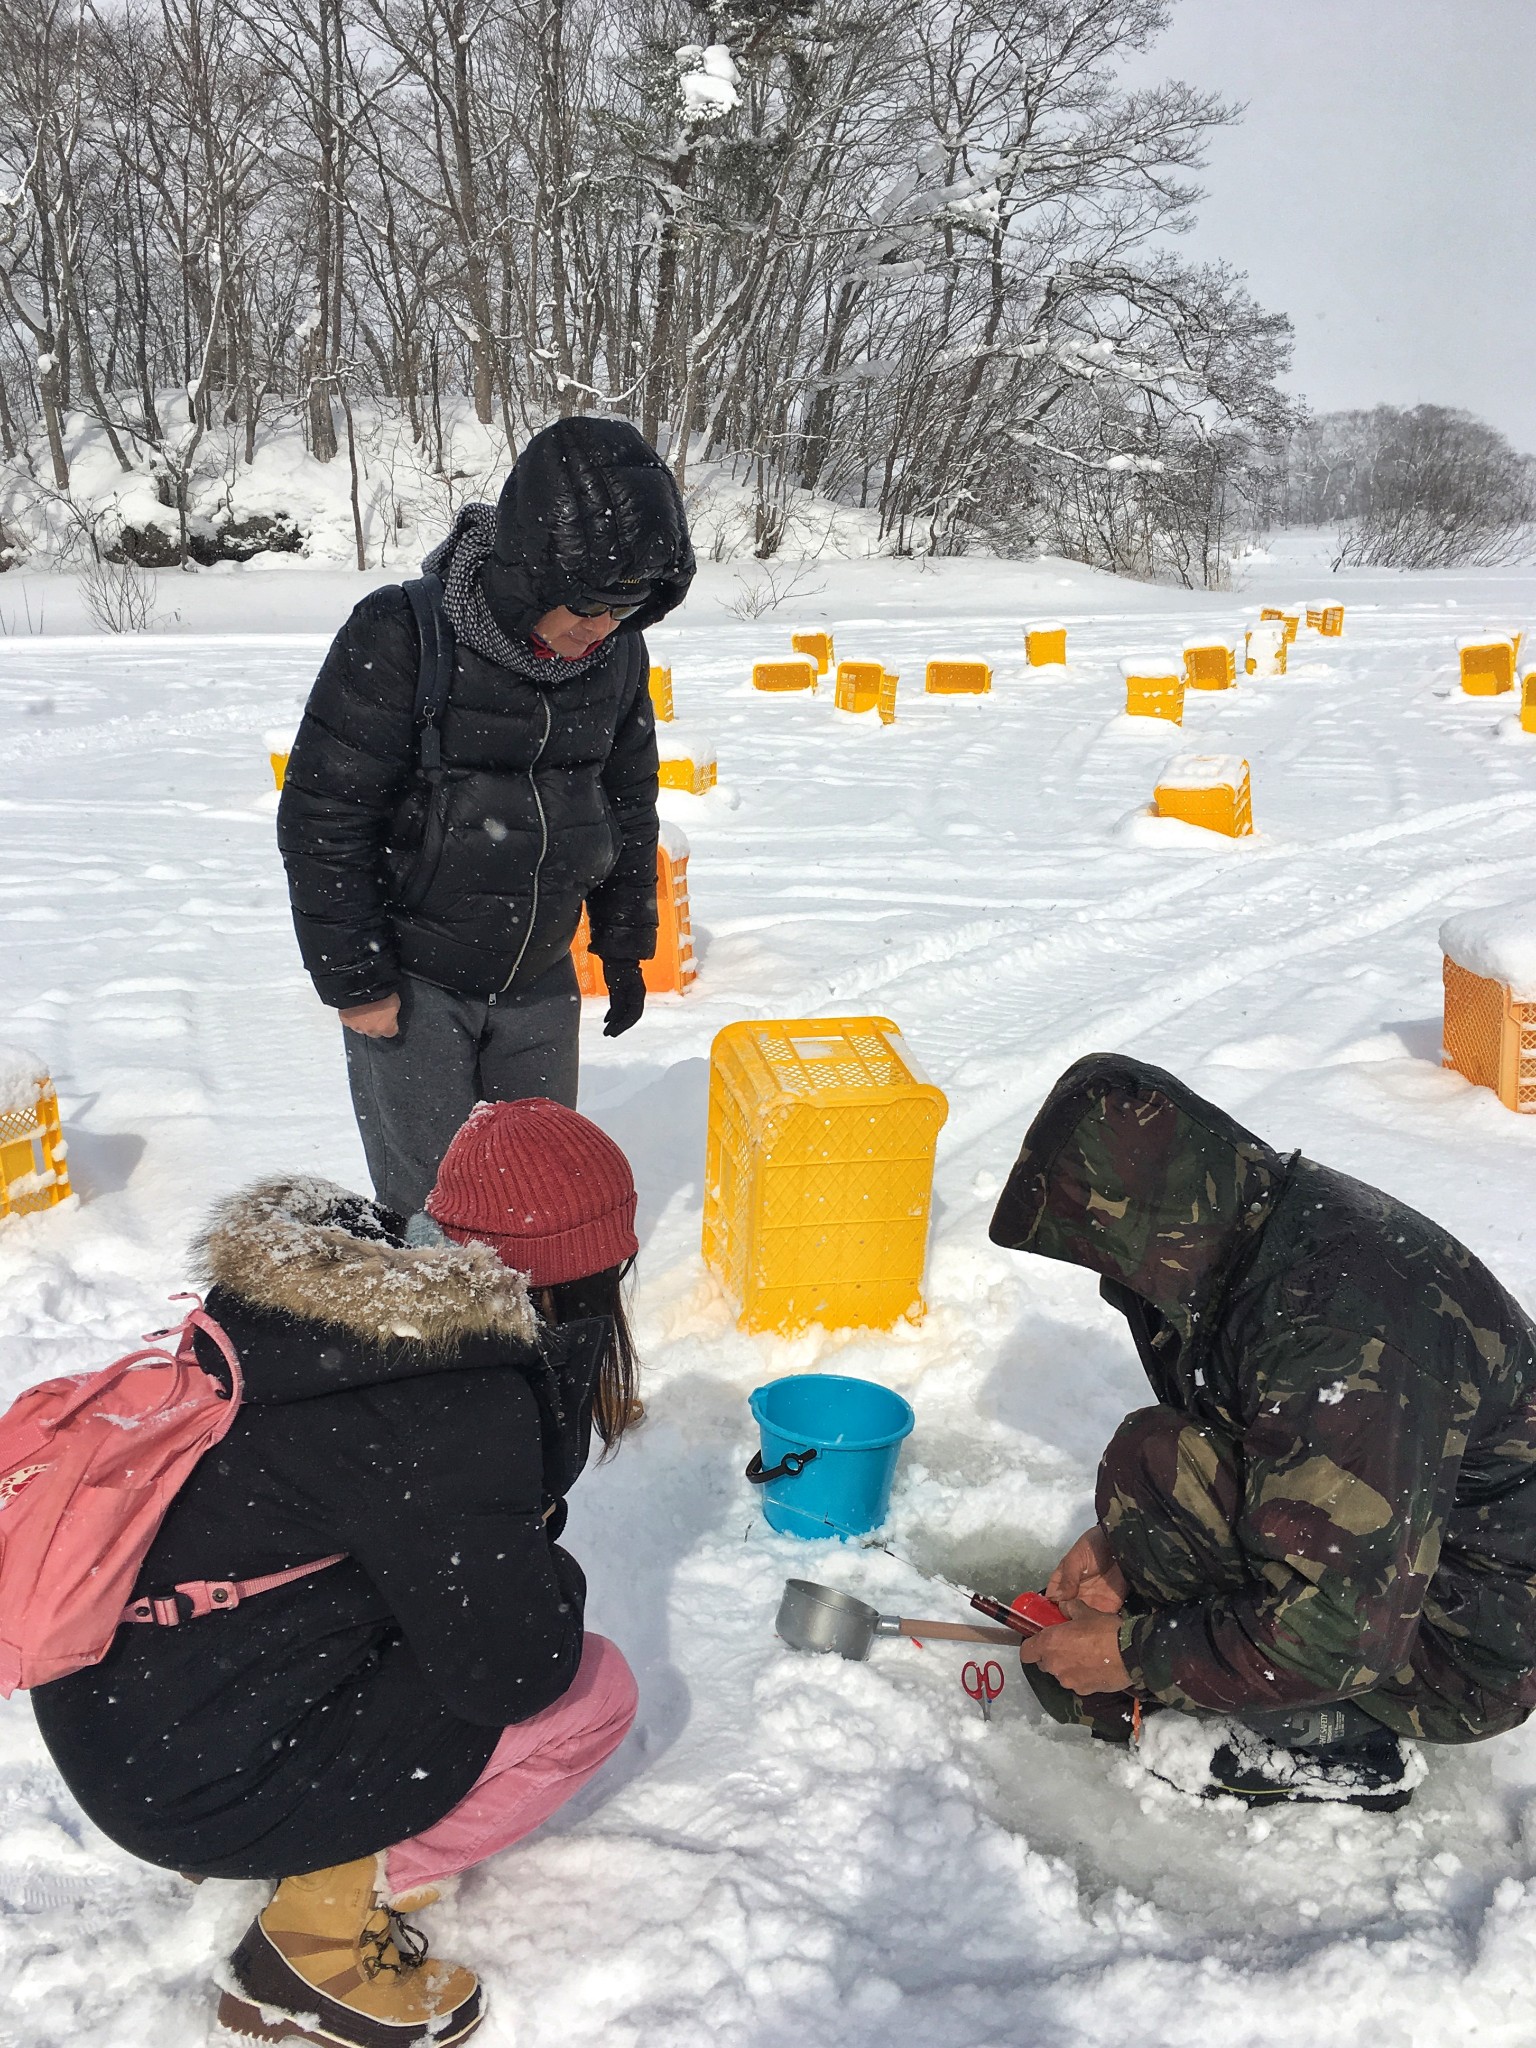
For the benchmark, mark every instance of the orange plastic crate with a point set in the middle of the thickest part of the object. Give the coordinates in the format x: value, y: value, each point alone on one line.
x: 1045, y: 644
x: 279, y: 745
x: 1209, y: 665
x: 1489, y: 1037
x: 819, y: 1172
x: 957, y: 679
x: 1265, y: 649
x: 885, y: 704
x: 858, y: 685
x: 1528, y: 700
x: 818, y: 646
x: 1487, y: 665
x: 799, y: 674
x: 1290, y: 620
x: 1154, y: 687
x: 33, y: 1155
x: 661, y: 695
x: 685, y: 764
x: 1210, y: 790
x: 670, y: 970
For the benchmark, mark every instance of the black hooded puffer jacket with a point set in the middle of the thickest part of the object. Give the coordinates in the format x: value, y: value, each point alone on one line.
x: 548, y: 795
x: 406, y: 1408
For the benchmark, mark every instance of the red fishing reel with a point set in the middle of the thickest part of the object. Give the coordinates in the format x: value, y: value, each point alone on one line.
x: 1029, y: 1613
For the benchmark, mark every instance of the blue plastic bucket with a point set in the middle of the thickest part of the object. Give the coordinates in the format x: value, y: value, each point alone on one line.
x: 830, y: 1446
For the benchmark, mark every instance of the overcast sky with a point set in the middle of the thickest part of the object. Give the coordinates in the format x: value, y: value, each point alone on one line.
x: 1381, y: 189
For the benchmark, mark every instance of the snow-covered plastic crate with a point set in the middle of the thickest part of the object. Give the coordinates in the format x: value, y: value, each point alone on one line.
x: 858, y: 685
x: 799, y: 674
x: 1490, y: 1000
x: 1487, y: 663
x: 1210, y: 790
x: 687, y: 761
x: 1154, y: 686
x: 885, y: 704
x: 33, y: 1172
x: 661, y: 695
x: 957, y: 679
x: 819, y: 1172
x: 1265, y: 648
x: 670, y: 970
x: 279, y: 745
x: 1045, y: 643
x: 1528, y: 700
x: 1325, y: 618
x: 1209, y: 665
x: 818, y: 646
x: 1291, y: 620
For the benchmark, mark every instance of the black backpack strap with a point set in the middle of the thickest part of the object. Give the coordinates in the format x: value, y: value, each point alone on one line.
x: 435, y: 677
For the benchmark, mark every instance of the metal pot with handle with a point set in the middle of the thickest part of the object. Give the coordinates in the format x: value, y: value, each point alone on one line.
x: 817, y: 1618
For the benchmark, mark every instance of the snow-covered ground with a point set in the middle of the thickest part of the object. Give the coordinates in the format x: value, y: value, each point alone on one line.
x: 801, y: 1851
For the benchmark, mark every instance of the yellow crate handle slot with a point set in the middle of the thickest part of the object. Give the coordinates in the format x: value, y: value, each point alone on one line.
x: 793, y: 1465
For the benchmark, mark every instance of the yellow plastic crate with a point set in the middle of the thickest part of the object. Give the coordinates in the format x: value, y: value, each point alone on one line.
x: 279, y: 745
x: 1489, y: 1037
x: 819, y: 1172
x: 670, y: 970
x: 1210, y: 790
x: 1324, y: 618
x: 1209, y: 665
x: 1528, y: 700
x: 1290, y: 620
x: 958, y: 679
x: 1045, y: 644
x: 858, y: 685
x: 799, y: 674
x: 1265, y: 649
x: 661, y: 695
x: 818, y: 646
x: 1487, y: 665
x: 686, y: 765
x: 1154, y: 687
x: 33, y: 1170
x: 885, y: 704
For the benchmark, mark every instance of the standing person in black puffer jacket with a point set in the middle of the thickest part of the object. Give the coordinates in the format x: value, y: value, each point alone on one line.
x: 437, y: 914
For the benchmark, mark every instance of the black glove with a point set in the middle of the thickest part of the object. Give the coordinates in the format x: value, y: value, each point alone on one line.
x: 626, y: 996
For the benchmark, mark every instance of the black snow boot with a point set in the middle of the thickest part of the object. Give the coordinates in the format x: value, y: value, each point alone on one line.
x: 1333, y: 1755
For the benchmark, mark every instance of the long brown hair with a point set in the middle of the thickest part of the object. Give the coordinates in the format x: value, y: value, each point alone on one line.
x: 616, y: 1402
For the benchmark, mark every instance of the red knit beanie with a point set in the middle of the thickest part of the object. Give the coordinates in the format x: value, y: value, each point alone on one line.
x: 550, y: 1193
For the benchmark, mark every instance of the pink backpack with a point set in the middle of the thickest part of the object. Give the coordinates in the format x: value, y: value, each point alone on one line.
x: 88, y: 1467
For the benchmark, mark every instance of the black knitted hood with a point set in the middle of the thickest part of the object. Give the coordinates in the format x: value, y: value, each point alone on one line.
x: 589, y: 506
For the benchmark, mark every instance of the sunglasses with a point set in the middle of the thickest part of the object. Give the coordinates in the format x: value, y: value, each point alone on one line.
x: 615, y: 605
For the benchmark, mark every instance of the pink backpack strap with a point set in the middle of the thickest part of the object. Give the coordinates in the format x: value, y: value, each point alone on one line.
x: 218, y: 1596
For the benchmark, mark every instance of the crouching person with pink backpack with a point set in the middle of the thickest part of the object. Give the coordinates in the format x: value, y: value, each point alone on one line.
x: 352, y: 1657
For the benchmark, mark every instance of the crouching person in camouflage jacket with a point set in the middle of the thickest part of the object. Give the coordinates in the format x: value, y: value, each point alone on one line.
x: 1326, y: 1527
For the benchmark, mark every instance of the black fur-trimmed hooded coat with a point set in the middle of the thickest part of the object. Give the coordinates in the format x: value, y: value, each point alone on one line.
x: 548, y: 793
x: 404, y: 1407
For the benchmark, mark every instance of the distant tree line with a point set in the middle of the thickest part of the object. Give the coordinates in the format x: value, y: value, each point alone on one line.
x: 912, y: 255
x: 1429, y: 487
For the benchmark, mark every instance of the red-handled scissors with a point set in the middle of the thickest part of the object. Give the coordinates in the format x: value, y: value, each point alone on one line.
x: 983, y: 1682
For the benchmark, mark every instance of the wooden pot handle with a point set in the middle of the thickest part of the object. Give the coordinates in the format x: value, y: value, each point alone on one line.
x: 957, y: 1632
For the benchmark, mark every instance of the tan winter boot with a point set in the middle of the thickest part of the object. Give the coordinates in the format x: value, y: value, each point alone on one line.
x: 330, y: 1961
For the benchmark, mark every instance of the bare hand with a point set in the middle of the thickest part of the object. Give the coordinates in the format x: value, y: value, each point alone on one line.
x: 378, y: 1019
x: 1088, y: 1581
x: 1084, y: 1656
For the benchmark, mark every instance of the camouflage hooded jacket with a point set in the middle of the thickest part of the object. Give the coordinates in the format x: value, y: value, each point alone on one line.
x: 1372, y: 1382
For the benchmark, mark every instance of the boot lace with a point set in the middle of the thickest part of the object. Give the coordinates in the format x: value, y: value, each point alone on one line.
x: 389, y: 1943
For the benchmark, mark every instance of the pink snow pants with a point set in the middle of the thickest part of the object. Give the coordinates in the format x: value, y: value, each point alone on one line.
x: 536, y: 1766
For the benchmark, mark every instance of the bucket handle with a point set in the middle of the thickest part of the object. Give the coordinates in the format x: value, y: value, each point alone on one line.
x: 792, y: 1465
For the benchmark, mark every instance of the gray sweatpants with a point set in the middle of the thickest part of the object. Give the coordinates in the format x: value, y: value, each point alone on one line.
x: 411, y: 1092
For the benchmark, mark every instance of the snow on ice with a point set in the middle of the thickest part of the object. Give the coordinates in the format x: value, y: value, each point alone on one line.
x: 796, y: 1852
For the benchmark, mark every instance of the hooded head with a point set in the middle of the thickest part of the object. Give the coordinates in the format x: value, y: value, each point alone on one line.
x: 1131, y: 1174
x: 589, y: 507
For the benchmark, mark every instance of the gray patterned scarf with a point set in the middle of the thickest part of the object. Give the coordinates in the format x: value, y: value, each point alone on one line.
x: 457, y: 562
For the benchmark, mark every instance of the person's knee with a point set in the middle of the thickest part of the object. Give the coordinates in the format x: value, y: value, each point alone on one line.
x: 616, y: 1696
x: 1141, y: 1460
